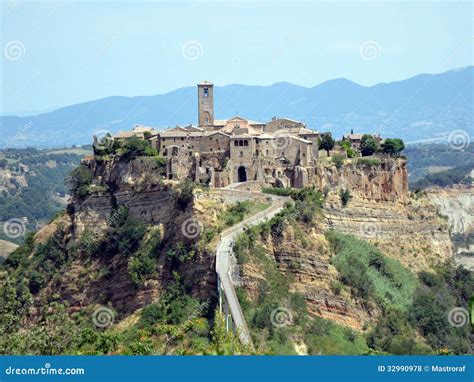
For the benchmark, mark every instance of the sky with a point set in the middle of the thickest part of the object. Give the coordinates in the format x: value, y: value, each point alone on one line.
x: 61, y: 53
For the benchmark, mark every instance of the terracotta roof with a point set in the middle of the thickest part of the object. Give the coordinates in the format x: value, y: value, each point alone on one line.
x: 174, y: 133
x: 125, y: 134
x: 352, y: 136
x: 142, y: 129
x: 285, y: 119
x: 209, y: 133
x: 220, y: 122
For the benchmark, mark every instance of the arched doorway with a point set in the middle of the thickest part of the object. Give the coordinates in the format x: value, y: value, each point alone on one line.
x: 242, y: 174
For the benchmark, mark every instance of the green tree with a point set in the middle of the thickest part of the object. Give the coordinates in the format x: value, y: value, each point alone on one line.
x: 79, y: 181
x: 393, y: 146
x: 368, y: 145
x: 327, y: 142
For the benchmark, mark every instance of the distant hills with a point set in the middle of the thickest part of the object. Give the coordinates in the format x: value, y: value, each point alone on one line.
x: 424, y: 107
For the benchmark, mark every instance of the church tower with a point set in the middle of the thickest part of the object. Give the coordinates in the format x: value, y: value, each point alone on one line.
x: 205, y: 104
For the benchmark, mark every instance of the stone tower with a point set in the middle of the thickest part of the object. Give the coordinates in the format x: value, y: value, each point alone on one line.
x: 205, y: 104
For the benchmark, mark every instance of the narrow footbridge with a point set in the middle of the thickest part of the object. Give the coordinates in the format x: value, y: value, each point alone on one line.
x: 228, y: 301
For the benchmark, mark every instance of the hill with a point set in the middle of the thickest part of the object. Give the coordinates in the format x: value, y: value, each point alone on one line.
x: 424, y: 107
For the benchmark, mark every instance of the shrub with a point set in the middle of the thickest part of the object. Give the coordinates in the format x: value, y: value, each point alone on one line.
x: 338, y: 160
x: 368, y: 145
x: 79, y: 181
x: 185, y: 195
x: 393, y: 146
x: 372, y: 275
x: 369, y: 161
x: 135, y: 147
x: 345, y: 196
x: 140, y: 267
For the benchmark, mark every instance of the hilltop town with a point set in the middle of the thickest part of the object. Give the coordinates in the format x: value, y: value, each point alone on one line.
x: 281, y: 152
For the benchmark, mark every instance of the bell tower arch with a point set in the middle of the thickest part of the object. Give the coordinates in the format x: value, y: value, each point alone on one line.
x: 205, y: 104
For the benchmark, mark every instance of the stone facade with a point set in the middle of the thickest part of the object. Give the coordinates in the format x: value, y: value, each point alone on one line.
x: 220, y: 152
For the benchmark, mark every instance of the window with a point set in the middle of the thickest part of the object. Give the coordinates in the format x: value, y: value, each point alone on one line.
x: 236, y: 143
x: 241, y: 143
x: 206, y: 92
x: 241, y: 154
x: 182, y: 138
x: 266, y: 152
x: 246, y: 143
x: 164, y: 146
x: 211, y: 149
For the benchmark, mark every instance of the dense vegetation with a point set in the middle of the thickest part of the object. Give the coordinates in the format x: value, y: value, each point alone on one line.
x: 413, y: 309
x: 176, y: 324
x: 410, y: 303
x: 422, y: 158
x: 38, y: 202
x: 457, y: 175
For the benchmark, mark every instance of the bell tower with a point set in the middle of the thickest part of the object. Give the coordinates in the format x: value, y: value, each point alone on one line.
x: 205, y: 104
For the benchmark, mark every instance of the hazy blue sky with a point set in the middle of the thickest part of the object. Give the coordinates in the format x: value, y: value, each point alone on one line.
x: 60, y: 53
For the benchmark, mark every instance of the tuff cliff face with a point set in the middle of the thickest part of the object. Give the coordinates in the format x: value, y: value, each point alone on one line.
x: 102, y: 278
x: 385, y: 179
x: 457, y: 205
x: 379, y: 210
x: 307, y: 261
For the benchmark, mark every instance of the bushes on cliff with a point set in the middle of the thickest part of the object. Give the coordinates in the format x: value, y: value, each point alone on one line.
x: 338, y: 160
x: 345, y: 196
x: 142, y: 264
x: 326, y: 337
x: 435, y: 298
x: 370, y: 274
x: 185, y: 195
x: 368, y: 145
x: 393, y: 146
x: 394, y: 335
x: 79, y: 181
x: 136, y: 147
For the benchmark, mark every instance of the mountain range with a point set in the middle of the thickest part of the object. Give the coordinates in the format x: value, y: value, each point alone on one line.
x: 424, y: 107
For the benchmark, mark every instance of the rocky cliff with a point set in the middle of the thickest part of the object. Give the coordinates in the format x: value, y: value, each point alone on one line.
x: 374, y: 179
x: 457, y: 205
x: 380, y: 210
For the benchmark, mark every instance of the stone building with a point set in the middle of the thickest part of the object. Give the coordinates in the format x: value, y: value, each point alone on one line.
x: 356, y: 139
x: 219, y: 152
